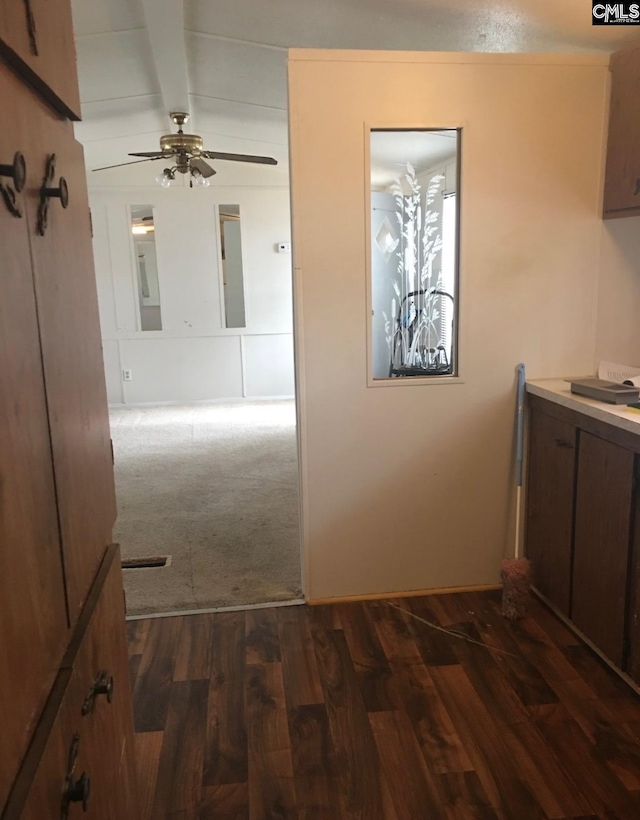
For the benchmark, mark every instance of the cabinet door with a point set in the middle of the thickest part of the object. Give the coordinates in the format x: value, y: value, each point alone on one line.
x: 632, y: 661
x: 601, y: 546
x: 36, y: 36
x: 102, y: 725
x: 549, y: 524
x: 622, y: 179
x: 72, y: 356
x: 33, y: 619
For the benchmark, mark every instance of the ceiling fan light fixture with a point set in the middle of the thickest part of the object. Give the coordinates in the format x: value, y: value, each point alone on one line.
x: 165, y: 178
x: 198, y: 179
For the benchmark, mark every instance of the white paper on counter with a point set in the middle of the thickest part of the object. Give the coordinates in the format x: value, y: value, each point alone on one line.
x: 619, y: 373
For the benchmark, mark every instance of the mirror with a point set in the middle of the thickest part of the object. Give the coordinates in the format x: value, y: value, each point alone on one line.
x: 414, y: 252
x: 232, y: 272
x: 144, y: 246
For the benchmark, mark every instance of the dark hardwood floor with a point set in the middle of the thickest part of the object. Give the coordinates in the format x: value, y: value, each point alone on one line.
x: 360, y: 711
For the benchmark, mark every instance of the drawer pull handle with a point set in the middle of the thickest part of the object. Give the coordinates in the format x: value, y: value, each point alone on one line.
x: 567, y: 445
x: 47, y: 192
x: 17, y: 171
x: 79, y: 792
x: 102, y: 685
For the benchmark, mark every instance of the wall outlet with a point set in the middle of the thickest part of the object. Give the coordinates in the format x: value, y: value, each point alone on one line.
x: 126, y: 376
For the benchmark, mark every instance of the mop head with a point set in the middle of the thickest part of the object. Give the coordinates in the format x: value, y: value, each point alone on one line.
x: 515, y: 577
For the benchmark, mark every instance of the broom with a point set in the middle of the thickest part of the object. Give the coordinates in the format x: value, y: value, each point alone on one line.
x: 516, y: 571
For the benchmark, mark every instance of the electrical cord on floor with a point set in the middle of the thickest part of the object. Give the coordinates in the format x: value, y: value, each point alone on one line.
x: 453, y: 632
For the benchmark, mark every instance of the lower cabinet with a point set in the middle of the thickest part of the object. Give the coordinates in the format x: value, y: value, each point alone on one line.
x: 582, y: 522
x: 82, y: 764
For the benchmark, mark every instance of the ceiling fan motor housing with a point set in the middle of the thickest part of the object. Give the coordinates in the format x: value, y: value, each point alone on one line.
x: 189, y: 143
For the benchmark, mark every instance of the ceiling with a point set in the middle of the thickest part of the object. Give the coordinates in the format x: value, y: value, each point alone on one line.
x: 225, y: 63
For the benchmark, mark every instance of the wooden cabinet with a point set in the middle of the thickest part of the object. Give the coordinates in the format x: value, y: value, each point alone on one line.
x: 549, y: 530
x: 33, y: 620
x: 622, y: 176
x: 61, y: 598
x: 36, y: 37
x: 90, y: 716
x: 583, y: 526
x: 71, y: 352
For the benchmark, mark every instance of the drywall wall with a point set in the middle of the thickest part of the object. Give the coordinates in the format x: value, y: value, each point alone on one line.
x: 410, y: 486
x: 194, y: 357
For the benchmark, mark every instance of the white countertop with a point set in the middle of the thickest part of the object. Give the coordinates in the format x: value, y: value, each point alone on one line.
x: 559, y: 391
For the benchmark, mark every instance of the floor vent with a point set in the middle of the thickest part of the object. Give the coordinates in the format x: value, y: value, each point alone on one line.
x: 147, y: 563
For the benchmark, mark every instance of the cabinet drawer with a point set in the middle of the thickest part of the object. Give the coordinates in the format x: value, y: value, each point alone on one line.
x: 92, y: 733
x: 36, y: 37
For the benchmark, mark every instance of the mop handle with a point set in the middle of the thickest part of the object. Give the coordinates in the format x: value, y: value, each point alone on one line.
x: 519, y: 424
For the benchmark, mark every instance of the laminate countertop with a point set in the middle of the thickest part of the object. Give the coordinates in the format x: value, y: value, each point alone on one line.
x: 559, y: 391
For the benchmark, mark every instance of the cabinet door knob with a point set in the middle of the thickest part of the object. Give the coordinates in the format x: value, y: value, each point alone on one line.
x: 79, y: 792
x: 47, y: 192
x: 75, y: 791
x: 17, y: 171
x: 61, y: 192
x: 102, y: 685
x: 567, y: 445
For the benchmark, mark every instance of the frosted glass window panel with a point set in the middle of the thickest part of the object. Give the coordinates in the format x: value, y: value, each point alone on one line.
x: 232, y: 267
x: 144, y: 247
x: 414, y: 257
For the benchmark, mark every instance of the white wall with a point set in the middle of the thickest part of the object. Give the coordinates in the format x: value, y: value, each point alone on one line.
x: 195, y: 357
x: 408, y: 486
x: 619, y: 293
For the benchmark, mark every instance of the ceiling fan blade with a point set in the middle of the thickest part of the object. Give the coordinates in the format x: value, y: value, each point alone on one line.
x: 200, y: 165
x: 240, y: 157
x: 120, y: 164
x: 150, y: 154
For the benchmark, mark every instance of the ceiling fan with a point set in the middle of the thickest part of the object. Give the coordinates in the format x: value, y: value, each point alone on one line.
x: 187, y: 151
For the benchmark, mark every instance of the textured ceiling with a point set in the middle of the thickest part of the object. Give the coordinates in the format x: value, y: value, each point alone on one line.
x: 225, y: 62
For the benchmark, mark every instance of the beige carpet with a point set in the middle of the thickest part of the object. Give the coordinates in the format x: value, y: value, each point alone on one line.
x: 216, y: 487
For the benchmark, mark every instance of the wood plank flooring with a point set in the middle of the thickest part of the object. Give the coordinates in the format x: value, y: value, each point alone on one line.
x: 361, y: 711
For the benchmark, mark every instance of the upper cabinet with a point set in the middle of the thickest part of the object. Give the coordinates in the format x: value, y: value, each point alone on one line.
x: 622, y: 180
x: 36, y: 36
